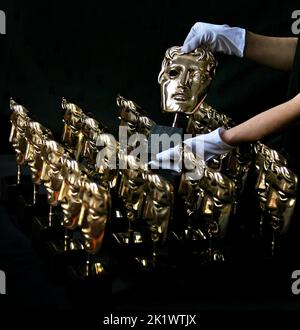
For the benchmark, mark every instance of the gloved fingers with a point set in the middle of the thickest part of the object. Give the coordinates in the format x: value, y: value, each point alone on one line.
x: 201, y: 28
x: 192, y: 44
x: 166, y: 165
x: 231, y: 41
x: 191, y: 34
x: 206, y: 32
x: 196, y: 145
x: 172, y: 153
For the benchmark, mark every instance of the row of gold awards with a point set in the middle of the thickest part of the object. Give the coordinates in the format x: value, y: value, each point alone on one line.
x: 138, y: 211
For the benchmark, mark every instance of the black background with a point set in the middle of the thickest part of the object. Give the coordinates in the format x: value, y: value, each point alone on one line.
x: 90, y: 51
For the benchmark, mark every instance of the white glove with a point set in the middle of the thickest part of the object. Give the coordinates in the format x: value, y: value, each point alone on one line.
x: 205, y: 146
x: 219, y: 38
x: 169, y: 159
x: 209, y: 145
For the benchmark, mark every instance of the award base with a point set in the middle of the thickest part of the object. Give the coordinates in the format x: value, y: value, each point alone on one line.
x: 127, y: 246
x: 210, y: 256
x: 93, y: 271
x: 25, y: 210
x: 125, y: 239
x: 10, y: 189
x: 193, y: 248
x: 43, y: 231
x: 63, y: 253
x: 154, y: 264
x: 86, y: 281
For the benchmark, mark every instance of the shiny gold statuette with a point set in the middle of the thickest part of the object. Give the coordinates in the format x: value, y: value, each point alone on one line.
x: 52, y: 176
x: 73, y: 120
x: 132, y: 193
x: 185, y: 79
x: 158, y: 213
x: 94, y: 214
x: 216, y: 201
x: 19, y: 122
x: 132, y: 118
x: 36, y: 136
x: 70, y: 198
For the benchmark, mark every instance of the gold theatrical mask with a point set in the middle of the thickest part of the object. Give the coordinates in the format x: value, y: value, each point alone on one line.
x: 159, y: 204
x: 216, y: 200
x: 95, y: 211
x: 237, y: 165
x: 36, y: 136
x: 189, y: 190
x: 86, y: 146
x: 131, y: 117
x: 19, y: 120
x: 70, y: 195
x: 132, y: 193
x: 281, y: 196
x: 51, y: 173
x: 268, y: 154
x: 206, y: 119
x: 185, y: 78
x: 264, y: 158
x: 106, y: 161
x: 157, y: 213
x: 73, y: 118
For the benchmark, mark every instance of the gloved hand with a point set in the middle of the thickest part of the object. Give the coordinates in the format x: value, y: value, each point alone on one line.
x: 219, y: 38
x: 205, y: 146
x: 209, y: 145
x: 170, y: 159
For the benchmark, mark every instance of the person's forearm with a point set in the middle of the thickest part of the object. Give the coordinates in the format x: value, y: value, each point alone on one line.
x: 265, y: 123
x: 275, y: 52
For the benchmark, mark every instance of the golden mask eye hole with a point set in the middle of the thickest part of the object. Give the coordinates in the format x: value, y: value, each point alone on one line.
x: 173, y: 73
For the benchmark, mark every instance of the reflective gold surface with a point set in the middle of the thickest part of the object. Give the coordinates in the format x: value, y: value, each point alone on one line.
x: 276, y: 188
x: 216, y: 202
x: 52, y: 170
x: 73, y: 119
x: 36, y: 137
x: 281, y: 196
x: 71, y: 191
x: 95, y: 212
x: 86, y: 148
x: 159, y: 204
x: 106, y: 161
x: 158, y: 213
x: 132, y: 118
x: 19, y: 120
x: 206, y: 119
x: 185, y: 78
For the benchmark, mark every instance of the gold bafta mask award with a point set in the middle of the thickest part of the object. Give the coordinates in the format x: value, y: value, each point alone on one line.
x: 157, y: 213
x: 94, y: 214
x: 185, y: 78
x: 86, y: 146
x: 19, y: 122
x: 280, y: 200
x: 73, y: 119
x: 36, y: 136
x: 132, y: 194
